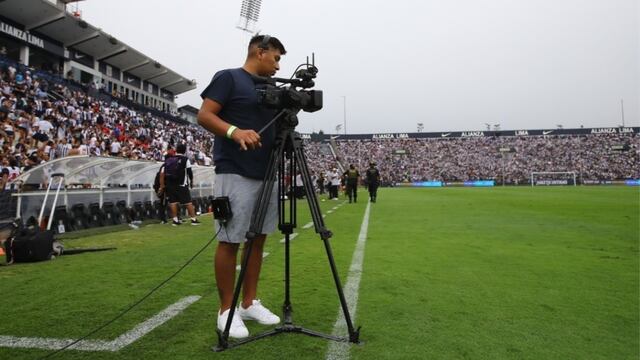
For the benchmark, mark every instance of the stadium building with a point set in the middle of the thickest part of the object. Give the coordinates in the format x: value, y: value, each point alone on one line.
x: 43, y: 35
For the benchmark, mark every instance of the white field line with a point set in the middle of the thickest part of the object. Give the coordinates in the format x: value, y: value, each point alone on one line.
x: 310, y: 224
x: 340, y: 350
x: 102, y: 345
x: 264, y: 255
x: 291, y: 237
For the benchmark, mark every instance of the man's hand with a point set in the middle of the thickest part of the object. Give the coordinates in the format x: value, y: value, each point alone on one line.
x: 248, y: 139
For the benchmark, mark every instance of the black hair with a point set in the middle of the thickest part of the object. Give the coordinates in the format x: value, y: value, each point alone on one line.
x: 271, y: 41
x: 181, y: 148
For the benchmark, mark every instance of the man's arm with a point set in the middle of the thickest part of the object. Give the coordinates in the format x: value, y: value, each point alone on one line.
x: 161, y: 189
x: 208, y: 118
x: 190, y: 176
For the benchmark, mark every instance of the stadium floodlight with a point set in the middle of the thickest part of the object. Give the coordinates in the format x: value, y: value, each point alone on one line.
x: 249, y: 15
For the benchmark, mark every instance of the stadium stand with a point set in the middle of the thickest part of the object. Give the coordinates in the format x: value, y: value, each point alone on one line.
x: 37, y: 128
x: 592, y: 157
x: 47, y: 113
x: 510, y: 160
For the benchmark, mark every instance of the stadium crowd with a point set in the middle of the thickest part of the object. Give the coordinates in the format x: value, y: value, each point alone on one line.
x: 42, y: 119
x: 508, y: 159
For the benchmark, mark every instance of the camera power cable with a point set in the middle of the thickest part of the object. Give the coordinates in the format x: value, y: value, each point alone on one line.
x: 131, y: 307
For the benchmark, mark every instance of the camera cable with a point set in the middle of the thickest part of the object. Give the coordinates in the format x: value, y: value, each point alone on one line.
x: 121, y: 314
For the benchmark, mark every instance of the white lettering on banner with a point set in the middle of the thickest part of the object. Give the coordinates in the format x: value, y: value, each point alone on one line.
x: 390, y: 136
x: 626, y: 130
x: 552, y: 182
x: 522, y: 133
x: 22, y: 35
x: 383, y: 136
x: 604, y: 131
x: 472, y: 134
x: 305, y: 136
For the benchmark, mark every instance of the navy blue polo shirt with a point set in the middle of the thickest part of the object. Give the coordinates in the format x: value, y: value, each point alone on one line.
x: 235, y: 90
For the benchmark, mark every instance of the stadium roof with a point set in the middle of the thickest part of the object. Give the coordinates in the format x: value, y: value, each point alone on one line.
x: 54, y: 22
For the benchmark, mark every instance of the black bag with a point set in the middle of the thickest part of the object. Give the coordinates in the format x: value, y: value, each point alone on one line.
x: 29, y: 245
x: 156, y: 181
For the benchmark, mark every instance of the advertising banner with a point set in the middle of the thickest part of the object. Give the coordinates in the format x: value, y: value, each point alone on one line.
x: 476, y: 134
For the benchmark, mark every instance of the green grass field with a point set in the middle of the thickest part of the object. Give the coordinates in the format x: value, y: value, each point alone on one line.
x: 453, y: 273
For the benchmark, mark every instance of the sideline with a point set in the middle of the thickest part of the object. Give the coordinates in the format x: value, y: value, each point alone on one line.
x: 340, y: 350
x: 121, y: 341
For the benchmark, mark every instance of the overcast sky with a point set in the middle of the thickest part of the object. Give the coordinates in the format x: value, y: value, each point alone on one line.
x: 450, y: 64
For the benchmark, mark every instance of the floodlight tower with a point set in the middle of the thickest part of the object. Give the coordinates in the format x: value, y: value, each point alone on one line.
x: 249, y: 15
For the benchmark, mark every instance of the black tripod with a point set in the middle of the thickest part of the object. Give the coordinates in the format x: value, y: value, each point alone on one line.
x: 287, y: 148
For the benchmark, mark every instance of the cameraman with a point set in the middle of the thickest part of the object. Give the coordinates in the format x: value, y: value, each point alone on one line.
x: 231, y: 111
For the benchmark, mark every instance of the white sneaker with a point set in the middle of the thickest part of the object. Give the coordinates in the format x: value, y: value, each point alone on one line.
x: 237, y: 330
x: 259, y: 313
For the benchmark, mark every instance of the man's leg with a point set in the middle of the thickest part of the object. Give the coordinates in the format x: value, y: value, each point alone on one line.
x: 355, y: 193
x: 163, y: 208
x: 191, y: 210
x: 225, y: 267
x: 173, y: 211
x: 251, y: 276
x: 192, y: 213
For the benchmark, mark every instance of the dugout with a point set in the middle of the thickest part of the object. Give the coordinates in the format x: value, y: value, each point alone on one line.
x: 94, y: 181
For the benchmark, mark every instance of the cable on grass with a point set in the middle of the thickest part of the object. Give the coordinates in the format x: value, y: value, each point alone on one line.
x: 136, y: 303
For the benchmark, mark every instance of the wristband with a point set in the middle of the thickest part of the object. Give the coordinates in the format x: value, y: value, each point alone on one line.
x: 230, y: 131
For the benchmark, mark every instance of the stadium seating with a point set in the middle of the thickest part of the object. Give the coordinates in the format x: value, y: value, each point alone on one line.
x: 96, y: 215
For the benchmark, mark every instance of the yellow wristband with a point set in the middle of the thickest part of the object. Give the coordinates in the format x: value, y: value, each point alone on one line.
x: 230, y: 131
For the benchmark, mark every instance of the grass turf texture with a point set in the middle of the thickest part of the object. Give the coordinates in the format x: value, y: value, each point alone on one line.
x: 456, y: 273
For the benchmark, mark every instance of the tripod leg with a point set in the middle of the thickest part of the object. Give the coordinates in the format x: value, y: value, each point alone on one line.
x: 257, y: 220
x: 325, y: 234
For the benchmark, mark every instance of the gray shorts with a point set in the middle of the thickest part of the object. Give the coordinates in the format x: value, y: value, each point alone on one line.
x: 243, y: 194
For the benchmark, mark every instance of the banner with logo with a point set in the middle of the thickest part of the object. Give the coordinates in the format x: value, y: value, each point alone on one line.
x: 131, y: 80
x: 15, y: 31
x: 477, y: 134
x: 81, y: 58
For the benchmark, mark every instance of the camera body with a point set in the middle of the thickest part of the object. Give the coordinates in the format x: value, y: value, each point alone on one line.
x: 280, y: 97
